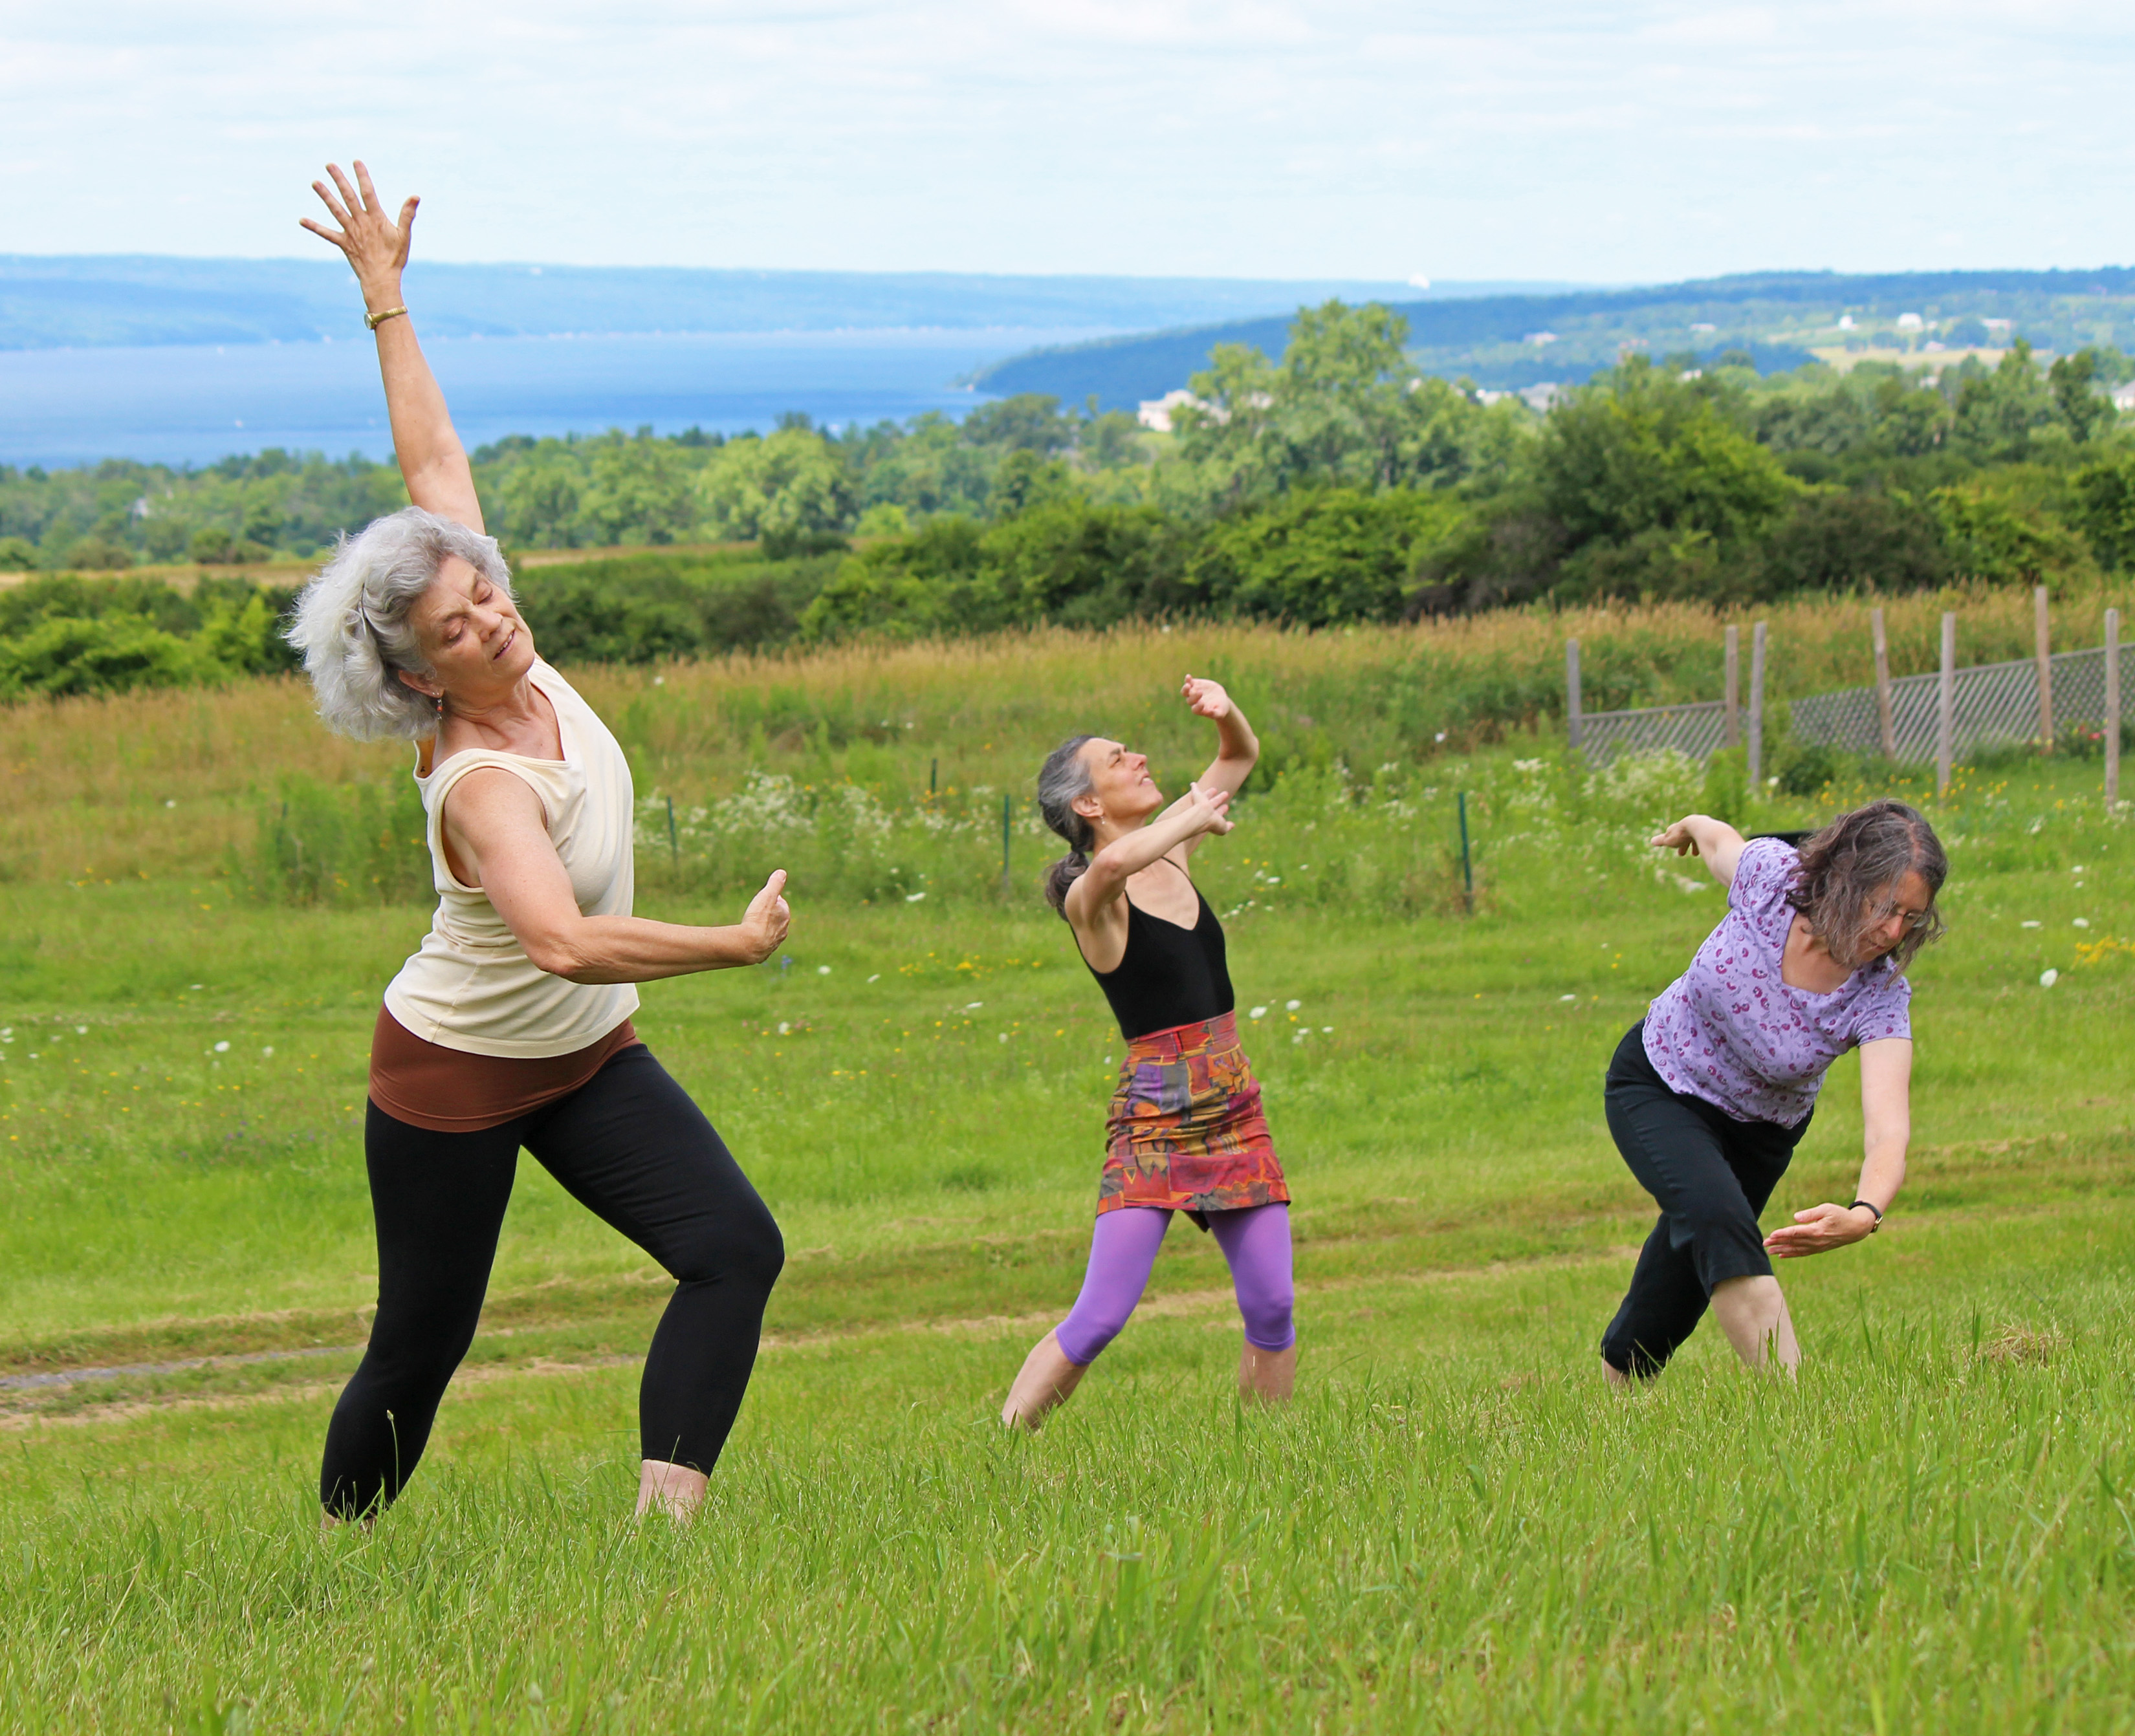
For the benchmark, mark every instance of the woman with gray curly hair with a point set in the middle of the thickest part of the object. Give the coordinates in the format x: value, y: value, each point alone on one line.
x: 511, y: 1026
x: 1709, y: 1095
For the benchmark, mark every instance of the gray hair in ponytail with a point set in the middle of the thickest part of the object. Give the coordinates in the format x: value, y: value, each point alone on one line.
x: 1062, y: 780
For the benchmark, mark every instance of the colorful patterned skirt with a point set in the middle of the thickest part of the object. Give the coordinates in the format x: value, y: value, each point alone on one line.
x: 1186, y: 1132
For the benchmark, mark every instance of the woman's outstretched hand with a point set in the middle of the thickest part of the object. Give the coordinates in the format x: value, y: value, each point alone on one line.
x: 1819, y: 1229
x: 1205, y: 811
x: 375, y: 245
x: 766, y: 919
x: 1206, y: 698
x: 1678, y: 837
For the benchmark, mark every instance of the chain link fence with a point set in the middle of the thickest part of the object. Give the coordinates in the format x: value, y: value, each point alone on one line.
x: 1994, y: 704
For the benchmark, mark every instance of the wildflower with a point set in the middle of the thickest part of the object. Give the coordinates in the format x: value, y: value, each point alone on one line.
x: 1259, y: 1013
x: 169, y: 805
x: 876, y: 978
x: 83, y: 1030
x: 913, y: 897
x: 268, y: 1050
x: 223, y: 1048
x: 1567, y: 997
x: 822, y: 970
x: 973, y: 1006
x: 2048, y: 978
x: 2083, y: 921
x: 785, y: 1029
x: 1327, y: 1030
x: 1292, y: 1006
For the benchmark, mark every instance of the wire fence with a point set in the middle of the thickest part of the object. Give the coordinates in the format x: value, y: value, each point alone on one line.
x: 1992, y: 704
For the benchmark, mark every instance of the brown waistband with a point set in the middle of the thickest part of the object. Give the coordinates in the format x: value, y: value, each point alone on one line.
x: 450, y: 1091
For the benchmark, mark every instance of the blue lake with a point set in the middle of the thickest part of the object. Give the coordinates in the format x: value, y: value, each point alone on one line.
x: 183, y: 404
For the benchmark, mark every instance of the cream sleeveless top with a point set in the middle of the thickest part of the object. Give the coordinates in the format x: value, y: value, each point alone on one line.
x: 470, y: 986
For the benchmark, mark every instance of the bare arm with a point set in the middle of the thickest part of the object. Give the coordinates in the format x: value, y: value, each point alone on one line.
x: 1887, y: 1114
x: 1237, y: 748
x: 1093, y: 905
x: 1699, y: 834
x: 493, y: 822
x: 433, y: 461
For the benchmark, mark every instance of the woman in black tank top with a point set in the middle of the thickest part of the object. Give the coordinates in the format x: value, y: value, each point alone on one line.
x: 1186, y: 1133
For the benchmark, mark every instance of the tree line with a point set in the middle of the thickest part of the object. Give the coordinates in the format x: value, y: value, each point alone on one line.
x: 1334, y: 486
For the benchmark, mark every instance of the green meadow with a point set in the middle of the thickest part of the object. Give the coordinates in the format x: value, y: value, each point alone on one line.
x: 1453, y: 1527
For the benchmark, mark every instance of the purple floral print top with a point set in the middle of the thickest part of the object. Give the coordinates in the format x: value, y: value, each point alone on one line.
x: 1730, y: 1031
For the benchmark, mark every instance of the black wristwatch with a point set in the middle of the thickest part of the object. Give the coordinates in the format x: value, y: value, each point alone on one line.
x: 1878, y: 1216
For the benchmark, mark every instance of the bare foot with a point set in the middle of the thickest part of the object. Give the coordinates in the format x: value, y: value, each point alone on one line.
x: 1267, y: 1376
x: 1045, y: 1379
x: 674, y: 1490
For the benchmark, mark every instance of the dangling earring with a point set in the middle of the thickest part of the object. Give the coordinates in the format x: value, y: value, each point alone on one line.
x: 438, y: 701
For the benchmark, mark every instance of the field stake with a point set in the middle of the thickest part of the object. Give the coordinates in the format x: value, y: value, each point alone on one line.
x: 1467, y: 868
x: 1757, y: 709
x: 2045, y: 654
x: 2111, y: 707
x: 673, y: 841
x: 1946, y: 705
x: 1884, y: 718
x: 933, y: 770
x: 1574, y: 717
x: 1732, y: 690
x: 1005, y: 819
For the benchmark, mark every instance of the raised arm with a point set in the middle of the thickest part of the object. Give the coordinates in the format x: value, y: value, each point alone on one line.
x: 1237, y: 748
x: 494, y: 825
x: 433, y: 462
x: 1094, y: 896
x: 1699, y: 834
x: 1886, y: 1115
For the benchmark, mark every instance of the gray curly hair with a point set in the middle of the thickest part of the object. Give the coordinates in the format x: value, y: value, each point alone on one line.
x: 351, y: 621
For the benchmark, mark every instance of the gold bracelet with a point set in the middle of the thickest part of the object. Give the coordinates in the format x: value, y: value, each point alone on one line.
x: 373, y: 321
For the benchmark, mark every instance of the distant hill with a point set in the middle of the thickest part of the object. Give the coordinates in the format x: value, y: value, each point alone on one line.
x: 1510, y: 342
x: 96, y: 300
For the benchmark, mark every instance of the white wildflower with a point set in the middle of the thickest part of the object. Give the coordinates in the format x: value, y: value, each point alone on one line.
x: 1292, y: 1006
x: 822, y: 970
x: 2048, y: 978
x: 1259, y: 1013
x: 2083, y: 921
x: 1567, y: 997
x: 913, y: 897
x: 973, y: 1006
x: 785, y: 1029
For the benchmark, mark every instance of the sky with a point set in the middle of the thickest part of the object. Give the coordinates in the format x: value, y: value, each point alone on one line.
x: 1592, y: 142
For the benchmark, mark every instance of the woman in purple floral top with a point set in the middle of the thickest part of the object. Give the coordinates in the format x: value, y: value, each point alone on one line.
x: 1708, y: 1096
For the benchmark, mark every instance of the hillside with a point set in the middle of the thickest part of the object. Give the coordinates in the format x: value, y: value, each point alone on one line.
x: 93, y: 301
x: 1514, y: 341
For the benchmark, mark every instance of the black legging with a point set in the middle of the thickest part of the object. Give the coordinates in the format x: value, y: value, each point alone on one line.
x: 1711, y: 1176
x: 631, y: 1146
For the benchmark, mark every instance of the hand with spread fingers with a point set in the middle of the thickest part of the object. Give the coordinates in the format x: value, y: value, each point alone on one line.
x: 375, y: 245
x: 1206, y: 810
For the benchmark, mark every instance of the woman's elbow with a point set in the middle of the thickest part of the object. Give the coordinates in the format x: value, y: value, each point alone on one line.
x: 561, y: 956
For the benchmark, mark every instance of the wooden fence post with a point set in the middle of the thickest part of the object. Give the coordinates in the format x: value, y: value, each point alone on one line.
x: 1883, y: 711
x: 1005, y: 890
x: 1757, y: 711
x: 2046, y: 652
x: 1733, y: 690
x: 1946, y: 706
x: 2112, y: 707
x: 1574, y: 718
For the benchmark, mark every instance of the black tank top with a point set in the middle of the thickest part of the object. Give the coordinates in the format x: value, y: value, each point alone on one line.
x: 1169, y: 975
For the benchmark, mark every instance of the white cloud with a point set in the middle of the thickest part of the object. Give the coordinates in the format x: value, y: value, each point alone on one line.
x: 1252, y: 137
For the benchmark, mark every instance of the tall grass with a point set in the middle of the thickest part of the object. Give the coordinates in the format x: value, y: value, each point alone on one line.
x: 164, y: 783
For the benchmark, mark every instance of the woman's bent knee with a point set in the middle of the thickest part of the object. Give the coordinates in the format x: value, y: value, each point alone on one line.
x: 1270, y: 1319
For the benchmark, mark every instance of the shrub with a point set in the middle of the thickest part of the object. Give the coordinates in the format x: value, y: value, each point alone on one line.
x: 1323, y: 556
x: 63, y: 654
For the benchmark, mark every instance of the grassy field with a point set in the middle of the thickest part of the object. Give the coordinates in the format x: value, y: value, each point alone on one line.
x: 1453, y: 1528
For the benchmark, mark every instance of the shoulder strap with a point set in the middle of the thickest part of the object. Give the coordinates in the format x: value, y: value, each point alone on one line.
x: 478, y: 759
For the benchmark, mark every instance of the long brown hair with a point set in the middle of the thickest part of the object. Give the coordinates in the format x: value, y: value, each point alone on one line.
x: 1847, y: 876
x: 1062, y: 780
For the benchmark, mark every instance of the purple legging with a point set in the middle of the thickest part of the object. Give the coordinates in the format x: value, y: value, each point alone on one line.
x: 1123, y: 1247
